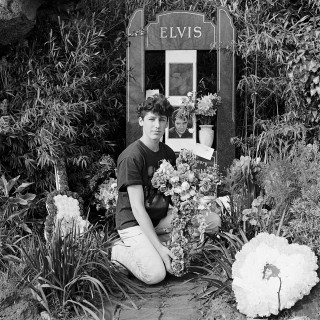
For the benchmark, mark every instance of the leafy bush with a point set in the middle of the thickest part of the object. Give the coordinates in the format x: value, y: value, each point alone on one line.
x: 303, y: 228
x: 63, y: 93
x: 14, y: 206
x: 74, y: 274
x: 215, y: 265
x: 242, y: 186
x: 304, y: 213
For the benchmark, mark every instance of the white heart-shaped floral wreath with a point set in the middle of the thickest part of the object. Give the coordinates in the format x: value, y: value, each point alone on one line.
x: 65, y: 210
x: 269, y: 275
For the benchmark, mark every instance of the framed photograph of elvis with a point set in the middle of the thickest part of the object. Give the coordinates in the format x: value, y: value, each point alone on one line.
x: 180, y: 79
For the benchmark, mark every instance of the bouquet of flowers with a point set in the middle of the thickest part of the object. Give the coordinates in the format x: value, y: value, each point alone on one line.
x: 185, y: 184
x: 107, y: 196
x: 207, y: 107
x: 208, y: 181
x: 204, y: 107
x: 187, y: 107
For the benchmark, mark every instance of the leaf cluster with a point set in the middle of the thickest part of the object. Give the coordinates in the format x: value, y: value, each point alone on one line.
x: 63, y: 92
x: 14, y: 206
x: 74, y: 275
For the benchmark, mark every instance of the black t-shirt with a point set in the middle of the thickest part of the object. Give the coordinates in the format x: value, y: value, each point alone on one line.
x: 136, y: 166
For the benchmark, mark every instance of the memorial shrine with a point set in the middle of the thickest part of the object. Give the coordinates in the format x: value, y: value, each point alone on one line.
x: 173, y: 55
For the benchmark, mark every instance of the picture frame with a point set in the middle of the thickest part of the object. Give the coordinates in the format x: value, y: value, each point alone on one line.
x: 181, y: 140
x: 180, y: 78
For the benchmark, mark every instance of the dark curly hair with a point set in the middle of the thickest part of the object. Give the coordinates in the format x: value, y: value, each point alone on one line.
x: 158, y: 104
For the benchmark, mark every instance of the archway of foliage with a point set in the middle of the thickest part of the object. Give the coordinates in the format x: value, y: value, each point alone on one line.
x: 62, y: 93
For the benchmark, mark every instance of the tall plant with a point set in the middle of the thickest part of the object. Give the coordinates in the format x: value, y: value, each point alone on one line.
x: 275, y: 39
x: 63, y: 92
x: 74, y: 275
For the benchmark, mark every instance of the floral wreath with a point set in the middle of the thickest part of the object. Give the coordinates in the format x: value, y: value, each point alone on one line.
x: 65, y: 207
x: 269, y: 275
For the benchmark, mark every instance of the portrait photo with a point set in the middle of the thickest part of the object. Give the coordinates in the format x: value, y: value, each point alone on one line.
x: 180, y: 127
x: 181, y: 133
x: 180, y: 78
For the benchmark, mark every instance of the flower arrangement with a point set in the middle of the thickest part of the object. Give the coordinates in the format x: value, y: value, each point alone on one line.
x: 107, y: 196
x: 269, y: 275
x: 65, y: 211
x: 101, y: 171
x: 187, y: 107
x: 207, y: 107
x: 208, y: 181
x: 186, y: 185
x: 204, y: 107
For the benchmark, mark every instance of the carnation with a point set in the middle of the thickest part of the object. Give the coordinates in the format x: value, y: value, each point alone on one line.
x: 269, y: 275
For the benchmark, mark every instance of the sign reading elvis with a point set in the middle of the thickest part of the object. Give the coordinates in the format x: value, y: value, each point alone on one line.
x: 180, y: 32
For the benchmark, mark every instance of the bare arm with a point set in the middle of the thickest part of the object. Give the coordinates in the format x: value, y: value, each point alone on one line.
x: 137, y: 204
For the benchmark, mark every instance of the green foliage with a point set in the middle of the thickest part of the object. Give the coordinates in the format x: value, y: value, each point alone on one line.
x: 63, y: 92
x: 14, y: 206
x: 285, y: 184
x: 241, y: 183
x: 303, y: 225
x: 278, y: 136
x: 216, y: 265
x: 303, y: 228
x: 276, y: 39
x: 14, y: 203
x: 74, y: 274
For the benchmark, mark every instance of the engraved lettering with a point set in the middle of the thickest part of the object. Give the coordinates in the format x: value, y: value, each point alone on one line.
x: 198, y: 31
x: 171, y: 34
x: 163, y: 31
x: 181, y: 33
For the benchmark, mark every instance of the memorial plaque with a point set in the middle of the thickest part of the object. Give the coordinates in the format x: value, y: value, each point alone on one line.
x: 180, y: 30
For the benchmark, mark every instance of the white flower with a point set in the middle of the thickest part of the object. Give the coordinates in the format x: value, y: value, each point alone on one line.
x: 177, y: 190
x: 269, y: 275
x: 191, y: 176
x: 114, y: 185
x: 174, y: 179
x: 185, y: 196
x: 185, y: 185
x: 68, y: 215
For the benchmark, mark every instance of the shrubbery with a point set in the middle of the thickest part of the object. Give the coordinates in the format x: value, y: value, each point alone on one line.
x: 63, y: 93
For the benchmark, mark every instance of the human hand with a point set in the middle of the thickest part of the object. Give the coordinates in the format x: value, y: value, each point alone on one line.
x: 166, y: 256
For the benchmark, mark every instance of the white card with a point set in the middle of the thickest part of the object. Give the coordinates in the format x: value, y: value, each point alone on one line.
x: 203, y: 151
